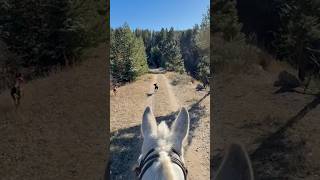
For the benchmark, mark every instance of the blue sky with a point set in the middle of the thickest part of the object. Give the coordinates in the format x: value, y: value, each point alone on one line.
x: 155, y: 14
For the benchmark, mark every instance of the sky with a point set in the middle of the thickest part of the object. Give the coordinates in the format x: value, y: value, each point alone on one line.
x: 155, y: 14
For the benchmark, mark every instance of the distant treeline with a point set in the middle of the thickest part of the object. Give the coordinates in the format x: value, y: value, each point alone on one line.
x: 289, y: 30
x: 39, y: 34
x: 132, y: 52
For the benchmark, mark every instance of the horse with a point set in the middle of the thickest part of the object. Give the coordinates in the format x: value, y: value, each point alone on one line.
x: 162, y: 149
x: 236, y: 165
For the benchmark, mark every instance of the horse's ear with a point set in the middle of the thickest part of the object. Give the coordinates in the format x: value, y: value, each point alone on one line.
x: 149, y: 124
x: 235, y: 164
x: 180, y: 128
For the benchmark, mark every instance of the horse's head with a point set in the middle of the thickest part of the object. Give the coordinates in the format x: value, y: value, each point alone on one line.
x: 162, y: 149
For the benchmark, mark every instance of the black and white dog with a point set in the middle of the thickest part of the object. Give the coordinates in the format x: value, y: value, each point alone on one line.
x: 155, y: 87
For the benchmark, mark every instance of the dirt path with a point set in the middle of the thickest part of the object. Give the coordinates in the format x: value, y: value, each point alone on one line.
x: 198, y: 146
x: 150, y: 97
x: 173, y: 100
x: 126, y: 140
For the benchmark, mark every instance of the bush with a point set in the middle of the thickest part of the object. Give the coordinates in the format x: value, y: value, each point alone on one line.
x: 180, y: 79
x: 237, y: 55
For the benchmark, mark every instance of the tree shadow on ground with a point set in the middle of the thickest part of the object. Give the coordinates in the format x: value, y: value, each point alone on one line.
x: 278, y: 156
x: 125, y: 144
x: 196, y: 112
x: 292, y: 90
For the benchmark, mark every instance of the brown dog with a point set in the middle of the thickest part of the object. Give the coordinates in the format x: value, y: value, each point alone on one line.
x: 115, y: 90
x: 16, y: 92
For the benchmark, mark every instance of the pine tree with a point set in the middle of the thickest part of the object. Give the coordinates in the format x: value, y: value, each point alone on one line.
x: 127, y: 56
x: 203, y: 44
x: 155, y: 59
x: 171, y: 53
x: 225, y: 19
x: 139, y: 57
x: 48, y: 32
x: 189, y: 50
x: 300, y: 28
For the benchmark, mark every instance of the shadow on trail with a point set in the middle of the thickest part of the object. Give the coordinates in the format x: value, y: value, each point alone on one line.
x: 290, y: 90
x: 278, y: 156
x: 196, y: 112
x: 149, y: 94
x: 125, y: 144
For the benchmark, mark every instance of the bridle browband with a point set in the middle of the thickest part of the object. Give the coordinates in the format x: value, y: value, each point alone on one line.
x: 148, y: 160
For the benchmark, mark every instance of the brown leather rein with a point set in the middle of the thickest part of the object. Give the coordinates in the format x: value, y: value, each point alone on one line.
x: 148, y: 160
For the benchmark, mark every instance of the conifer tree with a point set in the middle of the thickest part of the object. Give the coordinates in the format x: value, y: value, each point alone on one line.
x: 225, y: 19
x: 203, y: 44
x: 171, y: 54
x: 127, y: 56
x: 300, y: 28
x: 48, y: 32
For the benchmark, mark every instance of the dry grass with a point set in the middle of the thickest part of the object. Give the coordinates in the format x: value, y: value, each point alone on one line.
x: 179, y: 79
x: 238, y: 57
x: 59, y: 131
x: 126, y: 109
x: 129, y: 103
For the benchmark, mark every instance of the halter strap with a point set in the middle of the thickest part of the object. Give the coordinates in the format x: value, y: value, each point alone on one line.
x: 148, y: 160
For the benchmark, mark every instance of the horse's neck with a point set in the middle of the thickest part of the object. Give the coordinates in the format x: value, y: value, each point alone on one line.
x: 155, y: 173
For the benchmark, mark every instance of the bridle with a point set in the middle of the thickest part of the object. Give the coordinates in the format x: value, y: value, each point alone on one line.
x: 149, y: 159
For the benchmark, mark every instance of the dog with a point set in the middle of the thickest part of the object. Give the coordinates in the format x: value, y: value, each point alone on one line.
x: 16, y: 91
x: 156, y: 87
x: 16, y: 95
x: 115, y: 90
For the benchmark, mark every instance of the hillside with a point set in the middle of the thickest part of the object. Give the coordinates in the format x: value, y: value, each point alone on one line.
x: 279, y: 130
x: 128, y: 106
x: 59, y: 131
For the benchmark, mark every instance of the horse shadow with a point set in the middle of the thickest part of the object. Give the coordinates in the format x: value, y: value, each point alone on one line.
x: 125, y: 144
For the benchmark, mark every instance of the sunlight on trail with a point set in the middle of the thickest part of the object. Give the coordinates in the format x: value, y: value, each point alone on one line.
x: 150, y: 101
x: 173, y: 100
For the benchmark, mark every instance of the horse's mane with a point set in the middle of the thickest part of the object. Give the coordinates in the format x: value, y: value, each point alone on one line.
x: 163, y: 148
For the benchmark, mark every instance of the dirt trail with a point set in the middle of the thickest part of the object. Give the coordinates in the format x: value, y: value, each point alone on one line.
x: 173, y: 100
x: 126, y: 140
x: 58, y: 132
x: 150, y: 101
